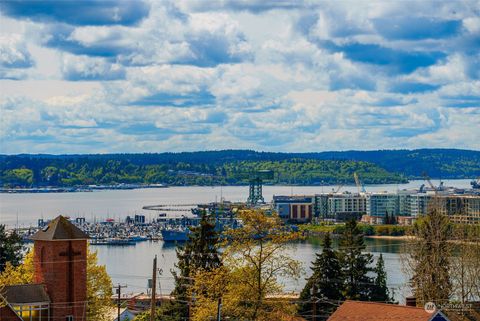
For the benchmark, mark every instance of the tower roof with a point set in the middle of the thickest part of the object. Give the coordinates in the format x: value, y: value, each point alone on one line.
x: 59, y: 229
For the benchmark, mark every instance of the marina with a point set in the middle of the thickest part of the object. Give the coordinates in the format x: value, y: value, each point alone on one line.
x: 23, y: 210
x: 163, y: 227
x: 112, y: 207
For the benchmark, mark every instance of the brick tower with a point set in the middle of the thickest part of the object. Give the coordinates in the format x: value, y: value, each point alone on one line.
x: 60, y: 261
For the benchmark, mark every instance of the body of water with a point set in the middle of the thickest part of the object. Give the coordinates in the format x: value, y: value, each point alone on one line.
x: 132, y: 265
x: 27, y: 208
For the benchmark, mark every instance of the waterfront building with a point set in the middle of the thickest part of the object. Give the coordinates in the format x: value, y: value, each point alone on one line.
x: 340, y: 206
x: 461, y: 208
x: 320, y: 206
x: 379, y: 204
x: 414, y: 204
x: 459, y: 205
x: 298, y: 209
x: 139, y: 219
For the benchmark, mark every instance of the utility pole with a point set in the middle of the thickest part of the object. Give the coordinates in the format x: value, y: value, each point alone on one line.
x: 154, y: 289
x: 119, y: 290
x: 219, y: 309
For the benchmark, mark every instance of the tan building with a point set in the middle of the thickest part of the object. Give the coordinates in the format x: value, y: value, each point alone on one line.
x: 461, y: 208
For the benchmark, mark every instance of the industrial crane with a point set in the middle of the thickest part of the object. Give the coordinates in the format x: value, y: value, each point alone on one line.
x: 427, y: 178
x: 335, y: 191
x: 360, y: 187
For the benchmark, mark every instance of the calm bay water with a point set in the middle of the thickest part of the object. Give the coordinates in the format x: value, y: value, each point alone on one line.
x: 132, y: 265
x: 117, y: 204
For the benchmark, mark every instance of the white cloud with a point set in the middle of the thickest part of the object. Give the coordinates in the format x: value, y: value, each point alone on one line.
x: 249, y: 74
x: 90, y: 68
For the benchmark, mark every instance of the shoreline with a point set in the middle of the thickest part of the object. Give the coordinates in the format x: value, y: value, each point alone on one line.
x: 391, y: 237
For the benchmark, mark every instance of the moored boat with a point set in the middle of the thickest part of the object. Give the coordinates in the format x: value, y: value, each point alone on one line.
x: 113, y: 241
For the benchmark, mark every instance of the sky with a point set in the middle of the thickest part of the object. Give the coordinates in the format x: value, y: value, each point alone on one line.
x: 294, y: 76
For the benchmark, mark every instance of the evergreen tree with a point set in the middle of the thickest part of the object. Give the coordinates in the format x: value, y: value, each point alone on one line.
x: 380, y: 290
x: 200, y: 252
x: 328, y: 281
x: 355, y: 264
x: 11, y: 248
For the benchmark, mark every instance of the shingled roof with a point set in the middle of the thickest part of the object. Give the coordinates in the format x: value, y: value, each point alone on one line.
x: 373, y: 311
x: 25, y: 293
x: 59, y: 229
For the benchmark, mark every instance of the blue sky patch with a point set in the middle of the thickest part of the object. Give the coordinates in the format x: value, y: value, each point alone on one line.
x: 84, y: 12
x: 416, y: 28
x: 176, y: 100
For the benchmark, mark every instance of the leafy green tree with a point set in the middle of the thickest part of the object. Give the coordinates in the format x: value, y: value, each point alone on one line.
x: 355, y: 264
x: 18, y: 177
x: 99, y: 289
x: 326, y: 283
x: 380, y: 290
x: 253, y: 259
x: 11, y: 248
x: 199, y: 253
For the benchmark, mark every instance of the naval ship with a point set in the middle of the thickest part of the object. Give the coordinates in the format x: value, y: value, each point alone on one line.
x: 179, y: 229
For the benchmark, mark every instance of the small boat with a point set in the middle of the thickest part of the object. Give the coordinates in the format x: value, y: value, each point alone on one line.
x: 114, y: 241
x: 138, y: 238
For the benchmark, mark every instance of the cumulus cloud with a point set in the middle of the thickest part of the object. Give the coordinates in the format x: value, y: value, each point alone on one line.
x: 14, y: 53
x: 87, y: 68
x: 166, y: 36
x: 123, y: 76
x: 14, y: 57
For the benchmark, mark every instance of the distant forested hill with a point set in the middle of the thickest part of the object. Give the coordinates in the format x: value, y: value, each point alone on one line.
x: 230, y: 166
x: 437, y: 163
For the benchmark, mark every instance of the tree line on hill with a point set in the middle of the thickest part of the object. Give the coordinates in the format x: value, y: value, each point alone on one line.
x: 438, y: 163
x: 23, y: 171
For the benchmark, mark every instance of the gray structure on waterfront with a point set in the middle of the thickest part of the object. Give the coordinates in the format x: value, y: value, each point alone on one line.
x: 460, y: 207
x: 381, y: 204
x: 338, y: 206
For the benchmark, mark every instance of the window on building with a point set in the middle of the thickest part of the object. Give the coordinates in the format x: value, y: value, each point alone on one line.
x: 294, y: 212
x: 302, y: 211
x: 32, y: 312
x: 69, y: 318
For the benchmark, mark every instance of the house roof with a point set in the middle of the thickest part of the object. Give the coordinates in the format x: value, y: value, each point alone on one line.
x: 373, y: 311
x: 25, y: 293
x: 59, y: 229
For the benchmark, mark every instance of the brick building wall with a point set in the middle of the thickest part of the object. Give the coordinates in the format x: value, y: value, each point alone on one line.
x: 6, y: 314
x: 61, y: 265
